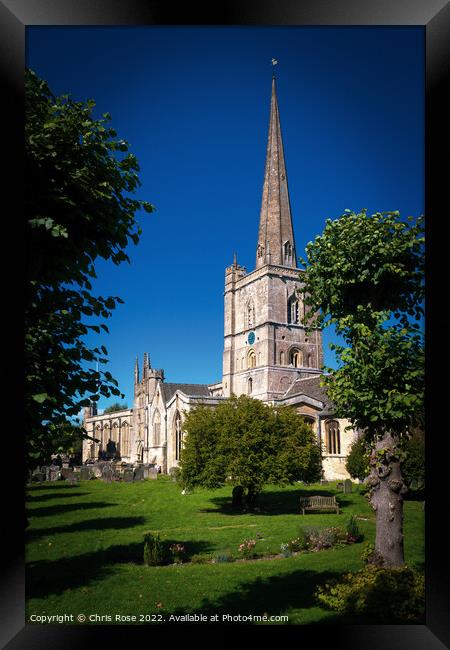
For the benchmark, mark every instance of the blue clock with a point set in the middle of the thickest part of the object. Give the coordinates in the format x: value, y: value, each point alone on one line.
x: 251, y: 338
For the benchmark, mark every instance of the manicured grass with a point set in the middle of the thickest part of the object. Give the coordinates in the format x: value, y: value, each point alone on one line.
x: 85, y: 550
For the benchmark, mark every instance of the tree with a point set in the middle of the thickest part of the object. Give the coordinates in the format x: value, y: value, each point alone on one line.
x: 79, y: 178
x: 249, y: 443
x: 365, y: 275
x: 117, y: 406
x: 357, y: 463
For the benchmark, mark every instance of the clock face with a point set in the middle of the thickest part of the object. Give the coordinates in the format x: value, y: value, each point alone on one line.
x: 251, y: 338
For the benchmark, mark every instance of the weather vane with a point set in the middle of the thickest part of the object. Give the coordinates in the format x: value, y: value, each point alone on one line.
x: 274, y: 63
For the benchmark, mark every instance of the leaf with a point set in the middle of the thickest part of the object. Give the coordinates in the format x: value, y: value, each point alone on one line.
x: 40, y: 397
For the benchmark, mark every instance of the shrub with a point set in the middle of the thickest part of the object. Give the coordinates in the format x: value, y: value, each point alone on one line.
x: 178, y: 553
x: 394, y: 594
x: 353, y: 532
x: 154, y: 550
x: 246, y: 548
x: 319, y: 538
x: 370, y: 556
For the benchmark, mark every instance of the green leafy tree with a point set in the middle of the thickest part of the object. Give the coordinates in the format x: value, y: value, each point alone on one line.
x: 117, y: 406
x: 357, y: 463
x: 79, y: 179
x: 248, y: 443
x: 365, y: 275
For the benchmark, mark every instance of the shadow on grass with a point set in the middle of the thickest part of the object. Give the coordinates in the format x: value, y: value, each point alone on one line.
x: 55, y: 495
x: 274, y: 503
x: 46, y: 577
x: 278, y: 595
x: 274, y: 595
x: 49, y: 511
x: 89, y: 524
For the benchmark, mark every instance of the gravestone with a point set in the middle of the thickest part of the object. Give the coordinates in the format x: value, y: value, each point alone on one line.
x: 173, y: 472
x: 97, y: 471
x: 145, y: 471
x: 107, y: 473
x: 347, y: 486
x: 73, y: 479
x: 323, y: 481
x: 66, y: 472
x: 128, y: 475
x: 38, y: 476
x: 53, y: 473
x: 85, y: 473
x: 152, y: 473
x: 139, y: 474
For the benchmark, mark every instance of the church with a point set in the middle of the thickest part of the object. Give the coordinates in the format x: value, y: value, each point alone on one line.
x: 268, y: 353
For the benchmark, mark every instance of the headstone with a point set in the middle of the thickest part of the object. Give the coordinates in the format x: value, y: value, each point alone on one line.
x: 145, y: 471
x: 73, y: 479
x: 97, y: 471
x: 139, y: 474
x: 323, y: 481
x: 85, y: 473
x: 66, y: 472
x: 107, y: 473
x: 347, y: 486
x: 38, y: 477
x: 128, y: 475
x: 53, y: 473
x: 152, y: 473
x: 173, y: 472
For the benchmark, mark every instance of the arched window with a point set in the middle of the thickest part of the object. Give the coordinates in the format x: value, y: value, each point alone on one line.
x: 332, y: 437
x: 296, y: 358
x: 295, y: 309
x: 125, y: 439
x: 282, y: 358
x: 288, y: 250
x: 250, y: 314
x: 156, y: 428
x: 105, y: 436
x: 249, y: 386
x: 251, y: 359
x: 178, y: 435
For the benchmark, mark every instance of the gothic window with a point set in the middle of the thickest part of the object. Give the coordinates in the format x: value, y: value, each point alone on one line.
x: 332, y: 437
x: 249, y: 386
x: 250, y: 314
x: 295, y: 309
x: 125, y: 439
x: 105, y: 436
x: 296, y: 358
x: 251, y: 359
x: 178, y: 435
x: 156, y: 428
x: 282, y: 358
x: 287, y: 251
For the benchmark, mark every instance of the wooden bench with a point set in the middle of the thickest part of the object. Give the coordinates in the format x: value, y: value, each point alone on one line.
x: 318, y: 503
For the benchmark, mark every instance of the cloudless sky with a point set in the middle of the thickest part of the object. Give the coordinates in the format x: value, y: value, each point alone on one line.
x: 193, y: 102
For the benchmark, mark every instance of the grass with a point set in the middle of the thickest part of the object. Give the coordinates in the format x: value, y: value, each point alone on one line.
x: 85, y: 551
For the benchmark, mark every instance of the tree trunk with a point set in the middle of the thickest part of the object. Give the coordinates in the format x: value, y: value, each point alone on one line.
x: 386, y: 498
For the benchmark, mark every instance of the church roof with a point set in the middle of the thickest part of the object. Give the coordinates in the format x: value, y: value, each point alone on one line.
x: 192, y: 390
x: 311, y: 388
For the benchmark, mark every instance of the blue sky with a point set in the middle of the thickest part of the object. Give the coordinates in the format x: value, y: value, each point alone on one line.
x: 193, y: 102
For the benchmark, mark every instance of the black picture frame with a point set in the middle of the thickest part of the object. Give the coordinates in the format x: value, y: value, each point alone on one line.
x: 15, y: 16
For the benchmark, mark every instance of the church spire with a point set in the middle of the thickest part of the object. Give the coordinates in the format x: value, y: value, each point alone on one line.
x: 276, y: 243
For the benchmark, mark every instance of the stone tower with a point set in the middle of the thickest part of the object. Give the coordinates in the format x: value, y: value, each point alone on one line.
x: 144, y: 390
x: 266, y: 347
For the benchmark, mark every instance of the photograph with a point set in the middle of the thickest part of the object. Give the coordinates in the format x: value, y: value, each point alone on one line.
x: 224, y: 325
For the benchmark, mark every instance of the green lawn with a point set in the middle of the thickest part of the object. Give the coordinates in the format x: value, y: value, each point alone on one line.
x: 85, y: 550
